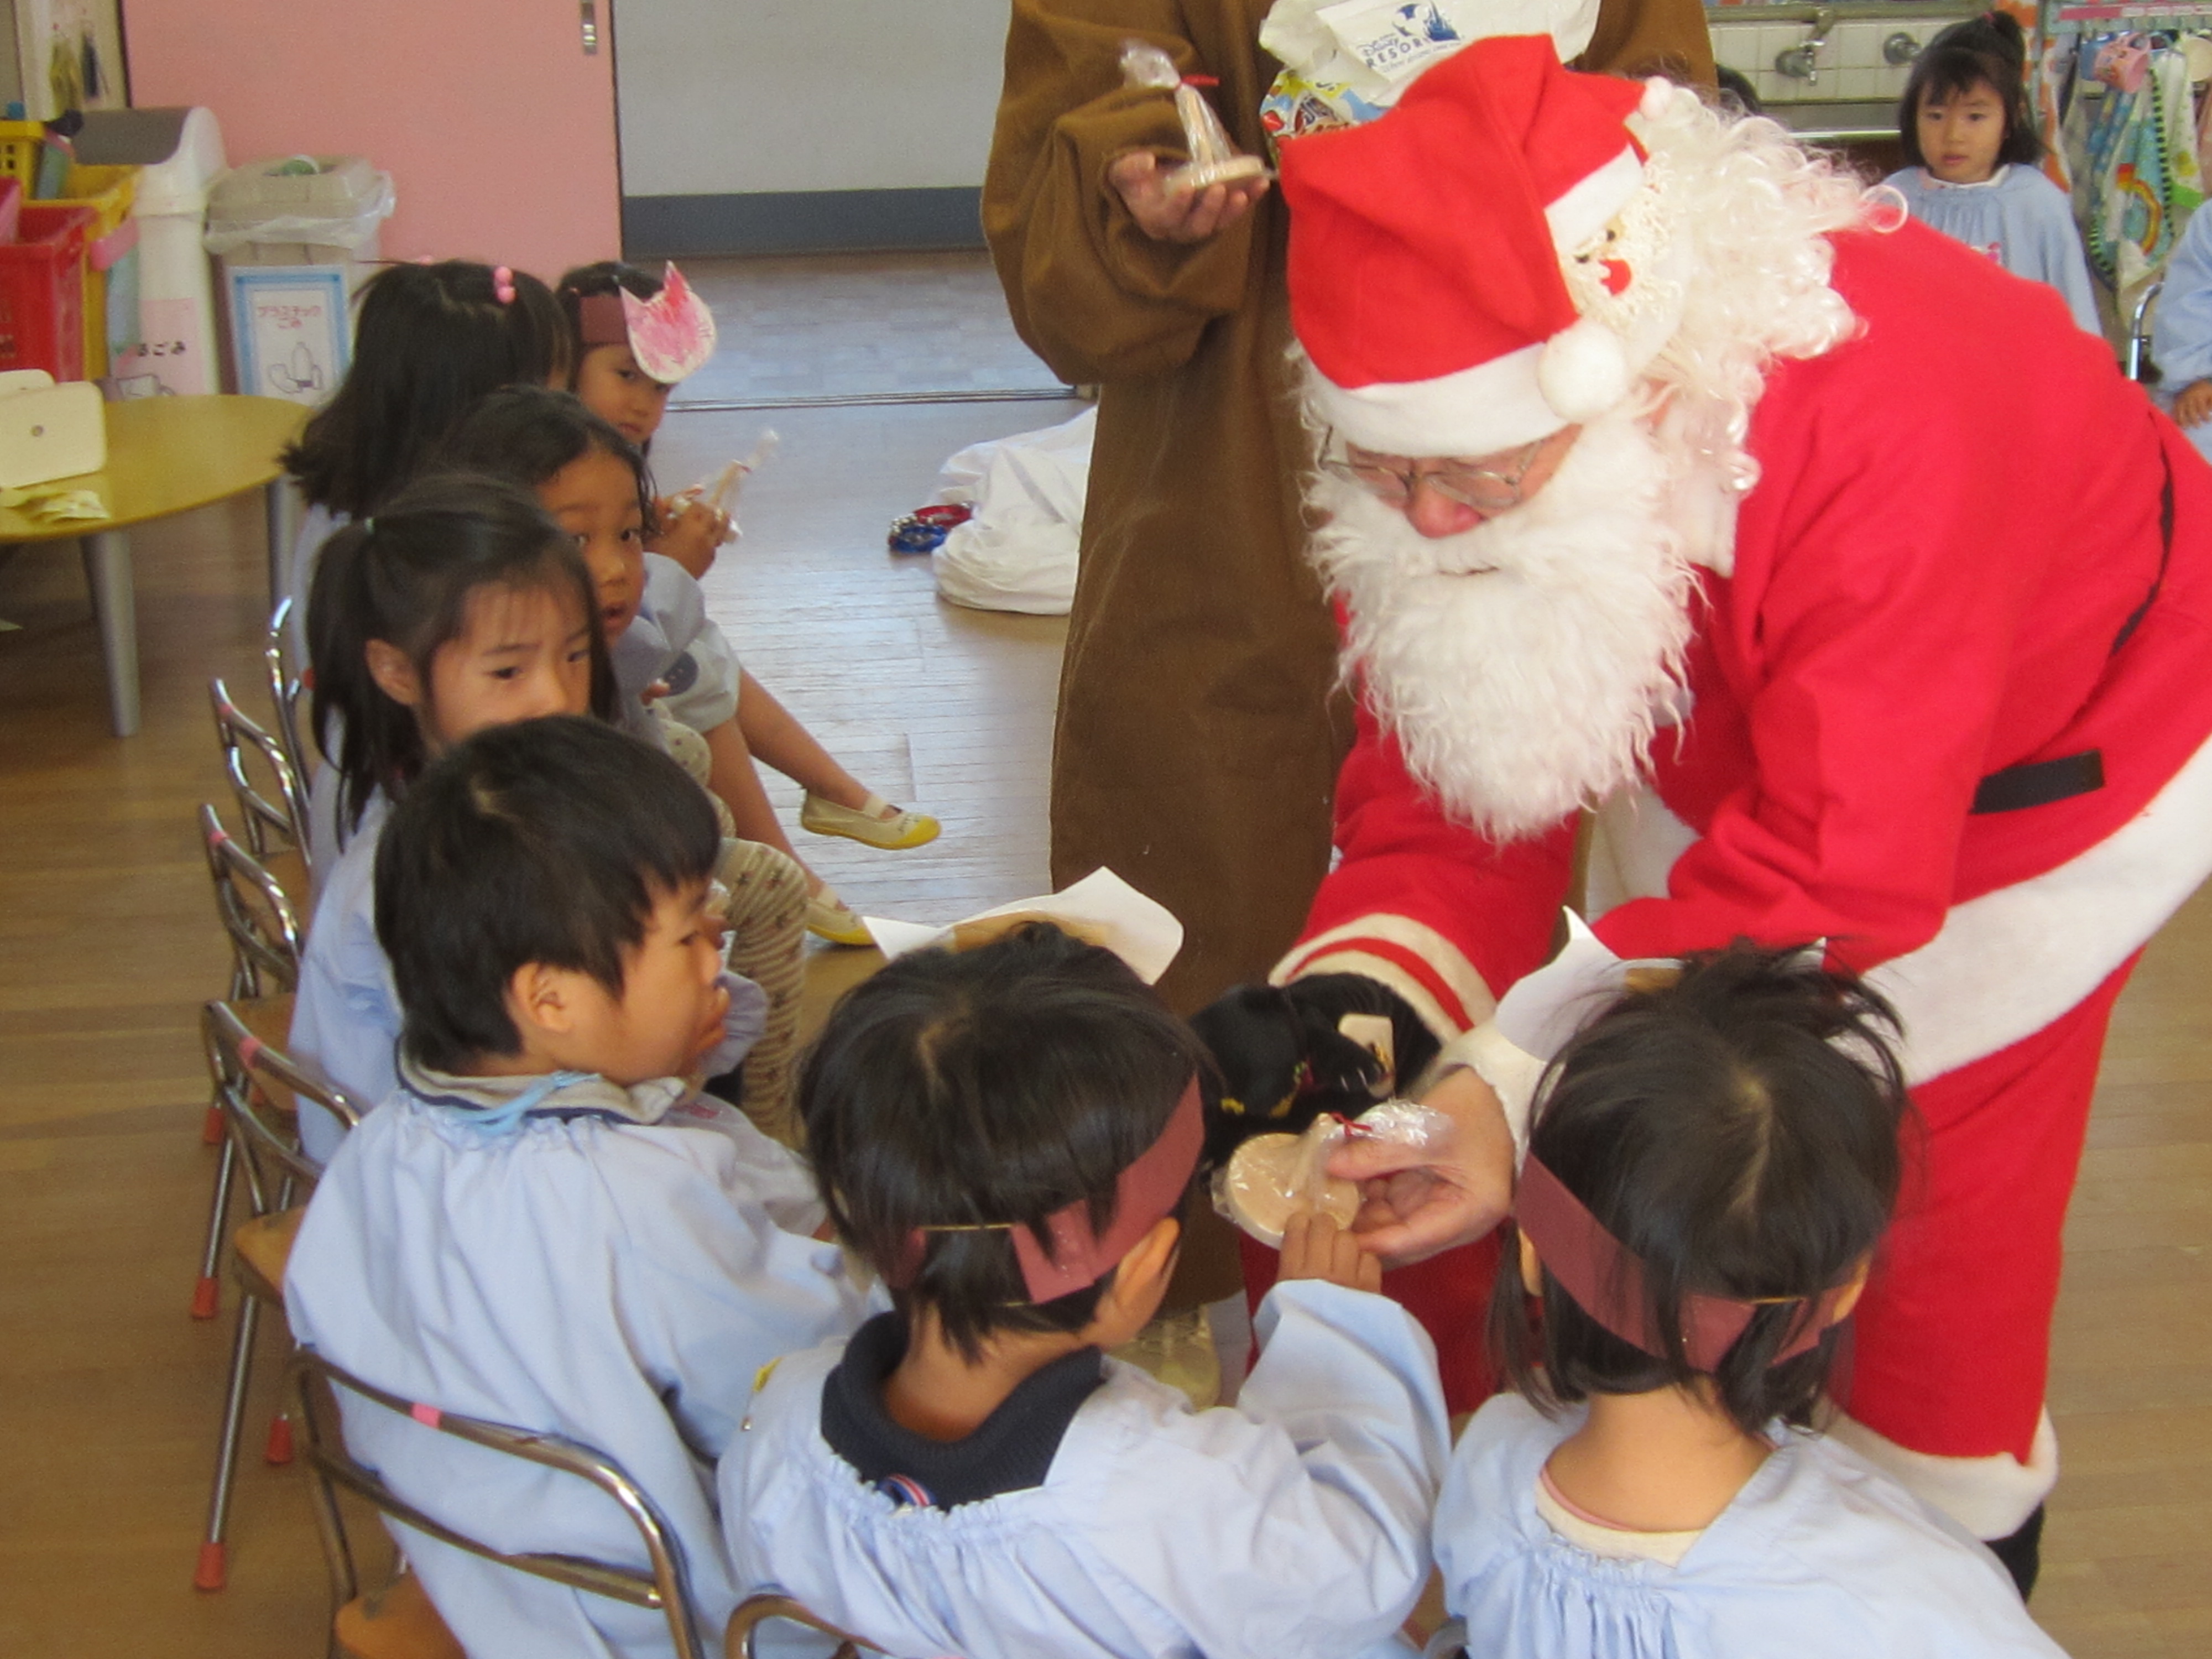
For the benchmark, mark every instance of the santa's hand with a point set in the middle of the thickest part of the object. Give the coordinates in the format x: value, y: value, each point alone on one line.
x: 1167, y: 213
x: 2194, y: 405
x: 1417, y: 1201
x: 1314, y: 1247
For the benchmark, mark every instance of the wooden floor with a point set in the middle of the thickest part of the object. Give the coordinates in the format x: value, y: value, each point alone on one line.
x: 108, y: 942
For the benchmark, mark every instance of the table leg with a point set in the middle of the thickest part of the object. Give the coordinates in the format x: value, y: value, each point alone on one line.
x: 107, y: 573
x: 282, y: 502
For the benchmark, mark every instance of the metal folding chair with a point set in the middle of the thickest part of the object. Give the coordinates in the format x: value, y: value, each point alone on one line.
x: 2138, y: 362
x: 286, y: 688
x: 263, y: 929
x: 662, y: 1586
x: 757, y: 1610
x: 250, y: 1076
x: 273, y: 806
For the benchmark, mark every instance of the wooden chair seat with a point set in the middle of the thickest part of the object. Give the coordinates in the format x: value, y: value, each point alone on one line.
x: 263, y: 1246
x: 396, y: 1622
x: 289, y: 866
x: 270, y: 1019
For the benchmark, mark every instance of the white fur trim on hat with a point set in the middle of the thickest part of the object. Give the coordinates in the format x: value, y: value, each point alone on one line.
x: 1478, y: 411
x: 1583, y: 371
x: 1590, y: 204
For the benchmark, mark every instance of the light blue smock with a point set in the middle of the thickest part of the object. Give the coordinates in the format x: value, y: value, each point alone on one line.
x: 1290, y: 1526
x: 1820, y: 1556
x: 346, y: 1019
x: 2181, y: 323
x: 620, y: 1284
x: 2020, y: 219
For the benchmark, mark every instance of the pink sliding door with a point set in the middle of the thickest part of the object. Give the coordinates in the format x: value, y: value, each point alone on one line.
x: 496, y: 125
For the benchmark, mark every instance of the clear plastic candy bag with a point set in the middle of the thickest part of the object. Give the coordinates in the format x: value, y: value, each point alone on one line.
x: 1270, y: 1178
x: 1213, y: 159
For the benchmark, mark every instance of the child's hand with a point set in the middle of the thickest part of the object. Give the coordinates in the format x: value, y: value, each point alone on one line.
x: 1314, y: 1247
x: 2194, y: 406
x: 690, y: 533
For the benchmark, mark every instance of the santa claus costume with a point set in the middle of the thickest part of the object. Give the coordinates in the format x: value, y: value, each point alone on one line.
x: 1871, y: 605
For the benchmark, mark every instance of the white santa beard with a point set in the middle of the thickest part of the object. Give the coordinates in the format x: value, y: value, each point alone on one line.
x: 1523, y: 666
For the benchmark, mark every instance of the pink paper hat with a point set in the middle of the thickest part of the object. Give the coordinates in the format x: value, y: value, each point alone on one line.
x: 672, y: 335
x: 1605, y: 1280
x: 1077, y: 1257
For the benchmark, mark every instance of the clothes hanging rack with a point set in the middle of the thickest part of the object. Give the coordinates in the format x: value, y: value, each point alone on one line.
x: 2124, y: 12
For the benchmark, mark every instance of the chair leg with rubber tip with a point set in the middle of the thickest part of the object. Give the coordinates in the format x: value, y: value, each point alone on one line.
x: 207, y: 1295
x: 211, y: 1127
x: 214, y: 1563
x: 279, y: 1449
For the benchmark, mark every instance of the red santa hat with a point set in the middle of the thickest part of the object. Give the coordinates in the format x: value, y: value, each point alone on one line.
x: 1425, y: 248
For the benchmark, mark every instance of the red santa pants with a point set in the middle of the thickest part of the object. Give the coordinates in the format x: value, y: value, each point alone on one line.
x: 1951, y: 1346
x: 1953, y: 1339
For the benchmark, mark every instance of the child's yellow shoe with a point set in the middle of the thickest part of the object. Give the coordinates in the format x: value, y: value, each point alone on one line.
x: 829, y: 917
x: 876, y: 821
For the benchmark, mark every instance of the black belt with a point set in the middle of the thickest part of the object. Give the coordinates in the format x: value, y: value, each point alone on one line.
x: 2039, y: 783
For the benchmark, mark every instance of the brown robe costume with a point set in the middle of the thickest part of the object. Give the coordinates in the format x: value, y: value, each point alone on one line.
x: 1198, y: 731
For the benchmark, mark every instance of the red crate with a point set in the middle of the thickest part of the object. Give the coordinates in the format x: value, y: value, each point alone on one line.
x: 42, y: 292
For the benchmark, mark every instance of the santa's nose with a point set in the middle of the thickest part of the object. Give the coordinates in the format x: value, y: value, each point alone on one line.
x: 1434, y: 514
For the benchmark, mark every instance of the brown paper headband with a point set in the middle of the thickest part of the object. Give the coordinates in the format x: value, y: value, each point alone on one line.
x: 1605, y: 1280
x: 1148, y: 1190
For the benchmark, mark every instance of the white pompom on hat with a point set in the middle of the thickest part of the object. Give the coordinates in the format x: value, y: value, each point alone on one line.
x: 1425, y: 249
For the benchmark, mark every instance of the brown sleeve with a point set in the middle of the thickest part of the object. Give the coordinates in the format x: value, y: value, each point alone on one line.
x: 1091, y: 294
x: 1651, y: 37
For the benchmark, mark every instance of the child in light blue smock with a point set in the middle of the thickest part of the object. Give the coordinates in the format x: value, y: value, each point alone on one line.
x: 460, y: 606
x: 2181, y: 334
x: 1007, y: 1135
x: 545, y: 1224
x: 1708, y: 1179
x: 1965, y: 128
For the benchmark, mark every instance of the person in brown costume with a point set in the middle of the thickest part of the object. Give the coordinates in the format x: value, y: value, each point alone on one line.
x: 1199, y: 731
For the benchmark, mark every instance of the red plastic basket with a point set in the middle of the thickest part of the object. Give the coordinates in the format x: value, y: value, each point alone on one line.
x: 42, y: 292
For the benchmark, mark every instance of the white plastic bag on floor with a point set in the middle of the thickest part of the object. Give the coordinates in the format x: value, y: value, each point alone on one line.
x: 1018, y: 552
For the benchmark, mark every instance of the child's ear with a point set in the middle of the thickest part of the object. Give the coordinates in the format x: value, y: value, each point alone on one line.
x: 538, y: 1000
x: 1532, y: 1266
x: 1854, y: 1287
x: 1151, y: 1259
x: 393, y: 670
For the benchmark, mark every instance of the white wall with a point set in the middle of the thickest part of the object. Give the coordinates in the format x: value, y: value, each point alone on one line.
x: 727, y: 97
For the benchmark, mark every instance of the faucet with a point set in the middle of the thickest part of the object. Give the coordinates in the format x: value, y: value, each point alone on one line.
x: 1798, y: 62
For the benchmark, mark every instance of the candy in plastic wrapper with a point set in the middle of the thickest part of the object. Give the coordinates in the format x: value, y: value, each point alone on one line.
x: 1213, y: 159
x: 1403, y: 1123
x: 1270, y: 1178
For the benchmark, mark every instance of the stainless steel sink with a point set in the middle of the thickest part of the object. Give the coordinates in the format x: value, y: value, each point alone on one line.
x: 1838, y: 122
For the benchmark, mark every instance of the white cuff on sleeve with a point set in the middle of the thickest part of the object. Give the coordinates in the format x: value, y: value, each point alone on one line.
x: 1511, y: 1072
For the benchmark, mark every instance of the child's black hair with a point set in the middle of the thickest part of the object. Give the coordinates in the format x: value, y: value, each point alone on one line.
x: 1989, y: 51
x: 428, y: 340
x: 529, y: 433
x: 548, y: 840
x: 403, y: 575
x: 991, y: 1085
x: 1736, y: 1130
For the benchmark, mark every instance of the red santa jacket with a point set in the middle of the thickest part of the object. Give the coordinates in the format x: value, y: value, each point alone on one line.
x: 1958, y: 517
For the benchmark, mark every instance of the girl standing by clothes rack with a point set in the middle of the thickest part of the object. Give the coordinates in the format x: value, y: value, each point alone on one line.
x: 1965, y: 128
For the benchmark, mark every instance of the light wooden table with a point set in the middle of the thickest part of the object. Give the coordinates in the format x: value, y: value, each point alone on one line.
x: 165, y: 456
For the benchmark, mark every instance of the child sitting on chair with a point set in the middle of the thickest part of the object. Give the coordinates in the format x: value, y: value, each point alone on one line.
x: 1713, y: 1164
x: 1005, y: 1135
x: 546, y: 1225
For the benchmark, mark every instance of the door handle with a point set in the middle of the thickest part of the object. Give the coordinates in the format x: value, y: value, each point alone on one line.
x: 590, y: 10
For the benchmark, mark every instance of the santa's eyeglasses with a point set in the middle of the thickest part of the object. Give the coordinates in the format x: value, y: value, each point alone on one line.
x: 1392, y: 479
